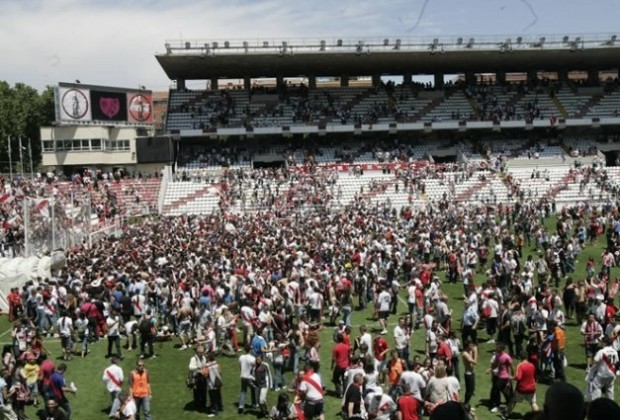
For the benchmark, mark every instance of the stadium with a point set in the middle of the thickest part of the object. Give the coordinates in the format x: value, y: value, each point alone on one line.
x: 313, y: 181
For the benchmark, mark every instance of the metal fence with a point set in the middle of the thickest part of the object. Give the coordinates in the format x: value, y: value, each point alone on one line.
x: 51, y: 223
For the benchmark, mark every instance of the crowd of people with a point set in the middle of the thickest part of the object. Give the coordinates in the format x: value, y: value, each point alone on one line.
x: 267, y: 284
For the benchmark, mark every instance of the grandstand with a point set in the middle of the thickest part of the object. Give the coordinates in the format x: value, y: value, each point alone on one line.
x: 502, y: 121
x: 513, y: 122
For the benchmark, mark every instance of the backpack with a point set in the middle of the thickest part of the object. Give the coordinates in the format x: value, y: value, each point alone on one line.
x: 145, y: 327
x: 518, y: 326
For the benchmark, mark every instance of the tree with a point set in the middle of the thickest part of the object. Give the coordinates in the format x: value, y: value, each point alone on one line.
x: 23, y: 111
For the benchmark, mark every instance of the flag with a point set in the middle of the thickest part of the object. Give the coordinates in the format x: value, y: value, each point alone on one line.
x: 553, y: 120
x: 6, y: 199
x: 41, y: 206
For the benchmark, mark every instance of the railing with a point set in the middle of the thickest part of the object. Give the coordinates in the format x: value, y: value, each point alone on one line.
x: 367, y: 45
x: 165, y: 179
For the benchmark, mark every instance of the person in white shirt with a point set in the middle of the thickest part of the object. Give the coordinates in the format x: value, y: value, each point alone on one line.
x: 131, y: 328
x: 128, y: 408
x: 365, y: 338
x: 247, y: 363
x: 65, y: 329
x: 602, y: 375
x: 401, y: 339
x: 311, y: 387
x: 411, y: 300
x: 384, y: 301
x: 113, y: 322
x: 113, y: 378
x: 416, y: 382
x: 315, y: 301
x: 491, y: 309
x: 380, y: 405
x: 431, y: 341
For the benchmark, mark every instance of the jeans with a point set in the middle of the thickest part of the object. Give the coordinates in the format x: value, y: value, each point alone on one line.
x: 145, y: 403
x: 245, y: 385
x: 116, y: 403
x: 470, y: 386
x: 215, y: 400
x: 346, y: 315
x: 84, y: 341
x: 339, y: 381
x: 470, y: 332
x: 558, y: 365
x: 146, y: 340
x: 280, y: 374
x: 456, y: 367
x: 294, y: 359
x: 114, y: 341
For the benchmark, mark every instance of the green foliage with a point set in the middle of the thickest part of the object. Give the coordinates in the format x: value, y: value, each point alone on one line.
x: 23, y: 111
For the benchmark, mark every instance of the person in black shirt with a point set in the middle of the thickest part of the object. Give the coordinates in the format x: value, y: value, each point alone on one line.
x: 51, y: 411
x: 353, y: 400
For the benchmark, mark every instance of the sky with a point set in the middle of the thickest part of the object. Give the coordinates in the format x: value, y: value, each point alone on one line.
x: 114, y: 42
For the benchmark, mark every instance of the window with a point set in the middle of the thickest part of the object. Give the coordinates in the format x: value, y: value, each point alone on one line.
x: 85, y: 144
x: 115, y: 146
x: 95, y: 144
x: 48, y: 145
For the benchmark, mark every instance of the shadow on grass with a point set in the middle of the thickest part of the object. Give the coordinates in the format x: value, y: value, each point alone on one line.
x: 190, y: 406
x: 580, y: 366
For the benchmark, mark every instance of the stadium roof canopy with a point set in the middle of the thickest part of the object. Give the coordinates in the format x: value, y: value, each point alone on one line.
x: 198, y: 60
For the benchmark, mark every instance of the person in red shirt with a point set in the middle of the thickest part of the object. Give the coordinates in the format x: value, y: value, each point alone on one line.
x: 443, y: 350
x: 610, y: 312
x: 340, y: 363
x: 526, y: 384
x: 408, y: 405
x: 15, y: 304
x: 380, y: 349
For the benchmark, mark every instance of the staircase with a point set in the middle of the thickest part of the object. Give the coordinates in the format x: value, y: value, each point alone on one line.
x: 515, y: 99
x: 427, y: 108
x: 359, y: 98
x: 594, y: 100
x: 474, y: 106
x: 559, y: 106
x: 466, y: 195
x: 167, y: 208
x: 560, y: 186
x: 379, y: 189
